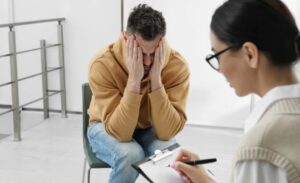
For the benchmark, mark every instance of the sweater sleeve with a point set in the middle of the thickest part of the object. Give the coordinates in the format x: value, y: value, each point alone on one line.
x: 167, y: 105
x: 119, y: 111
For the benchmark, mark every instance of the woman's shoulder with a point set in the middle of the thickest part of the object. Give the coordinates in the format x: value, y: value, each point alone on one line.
x: 281, y: 118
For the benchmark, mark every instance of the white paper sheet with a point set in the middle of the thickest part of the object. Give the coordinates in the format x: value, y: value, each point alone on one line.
x: 160, y: 172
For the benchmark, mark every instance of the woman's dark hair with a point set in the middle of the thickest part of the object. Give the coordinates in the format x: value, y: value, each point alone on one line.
x: 267, y: 23
x: 146, y: 21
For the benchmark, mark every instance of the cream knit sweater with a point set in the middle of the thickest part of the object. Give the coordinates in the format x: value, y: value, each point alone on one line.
x: 275, y: 139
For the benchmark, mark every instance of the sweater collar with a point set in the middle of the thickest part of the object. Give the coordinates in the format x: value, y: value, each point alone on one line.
x: 275, y: 94
x: 119, y: 52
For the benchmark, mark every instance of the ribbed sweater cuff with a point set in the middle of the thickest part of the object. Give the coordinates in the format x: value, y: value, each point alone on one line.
x: 132, y: 98
x: 157, y: 95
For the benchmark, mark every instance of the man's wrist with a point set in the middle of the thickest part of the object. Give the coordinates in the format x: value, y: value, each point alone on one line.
x: 156, y: 84
x: 134, y: 86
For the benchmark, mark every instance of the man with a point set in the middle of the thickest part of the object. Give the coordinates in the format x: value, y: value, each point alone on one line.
x: 140, y: 87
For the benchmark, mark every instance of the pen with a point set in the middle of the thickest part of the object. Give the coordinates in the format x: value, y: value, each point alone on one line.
x: 199, y: 162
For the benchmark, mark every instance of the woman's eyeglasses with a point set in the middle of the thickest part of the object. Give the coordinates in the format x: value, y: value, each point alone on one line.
x: 212, y: 59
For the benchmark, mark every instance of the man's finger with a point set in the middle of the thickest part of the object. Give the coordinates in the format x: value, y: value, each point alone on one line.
x: 140, y: 55
x: 127, y: 47
x: 130, y: 47
x: 156, y: 56
x: 161, y: 46
x: 135, y: 53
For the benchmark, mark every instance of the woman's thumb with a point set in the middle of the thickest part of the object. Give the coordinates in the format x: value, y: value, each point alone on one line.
x: 183, y: 167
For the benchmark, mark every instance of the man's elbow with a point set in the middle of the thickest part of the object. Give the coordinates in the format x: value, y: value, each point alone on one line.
x: 123, y: 138
x: 168, y: 134
x: 119, y: 136
x: 165, y: 135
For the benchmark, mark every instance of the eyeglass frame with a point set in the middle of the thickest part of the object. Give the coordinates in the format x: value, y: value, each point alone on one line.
x: 211, y: 56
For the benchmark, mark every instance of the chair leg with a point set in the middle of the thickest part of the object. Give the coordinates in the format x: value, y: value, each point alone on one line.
x: 89, y: 172
x: 84, y: 168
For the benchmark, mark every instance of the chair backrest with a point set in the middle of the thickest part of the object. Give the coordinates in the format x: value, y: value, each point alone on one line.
x: 86, y: 99
x: 91, y: 158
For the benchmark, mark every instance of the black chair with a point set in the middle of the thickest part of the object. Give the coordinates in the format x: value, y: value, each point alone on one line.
x: 90, y: 157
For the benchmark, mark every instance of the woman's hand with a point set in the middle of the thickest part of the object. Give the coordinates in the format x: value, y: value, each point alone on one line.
x: 191, y: 174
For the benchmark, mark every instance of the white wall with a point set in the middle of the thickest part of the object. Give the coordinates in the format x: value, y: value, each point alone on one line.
x: 92, y: 24
x: 4, y: 11
x: 4, y: 62
x: 89, y: 26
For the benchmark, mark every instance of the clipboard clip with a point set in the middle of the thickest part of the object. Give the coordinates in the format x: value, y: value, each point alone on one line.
x: 159, y: 155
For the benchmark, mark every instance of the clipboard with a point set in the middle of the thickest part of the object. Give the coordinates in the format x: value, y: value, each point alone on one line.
x: 155, y: 168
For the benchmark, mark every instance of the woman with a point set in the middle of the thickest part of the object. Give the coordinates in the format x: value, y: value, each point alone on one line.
x: 256, y: 44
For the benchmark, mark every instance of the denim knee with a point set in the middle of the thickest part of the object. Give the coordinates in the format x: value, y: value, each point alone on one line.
x: 129, y: 153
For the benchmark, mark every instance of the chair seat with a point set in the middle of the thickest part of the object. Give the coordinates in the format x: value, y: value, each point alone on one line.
x: 92, y: 160
x: 96, y: 163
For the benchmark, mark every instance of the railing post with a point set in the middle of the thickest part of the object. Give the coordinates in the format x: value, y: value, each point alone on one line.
x: 62, y: 70
x: 122, y: 15
x: 14, y: 85
x: 44, y: 78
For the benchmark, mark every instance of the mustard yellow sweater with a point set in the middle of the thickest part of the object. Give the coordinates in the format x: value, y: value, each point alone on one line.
x: 123, y: 111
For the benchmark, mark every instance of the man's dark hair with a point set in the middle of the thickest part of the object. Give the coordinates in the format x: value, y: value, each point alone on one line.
x: 147, y: 22
x: 267, y: 23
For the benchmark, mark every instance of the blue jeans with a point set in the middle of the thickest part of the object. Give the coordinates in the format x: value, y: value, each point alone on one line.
x: 120, y: 155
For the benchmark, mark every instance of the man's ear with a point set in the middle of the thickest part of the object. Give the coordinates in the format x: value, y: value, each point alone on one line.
x: 251, y: 53
x: 125, y: 35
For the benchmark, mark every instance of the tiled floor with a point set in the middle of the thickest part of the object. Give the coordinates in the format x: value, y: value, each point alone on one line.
x: 51, y: 151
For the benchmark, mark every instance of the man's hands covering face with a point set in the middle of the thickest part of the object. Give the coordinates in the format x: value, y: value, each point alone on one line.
x: 134, y: 61
x: 157, y: 66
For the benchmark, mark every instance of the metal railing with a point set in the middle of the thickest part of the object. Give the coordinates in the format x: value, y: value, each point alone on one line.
x: 16, y: 107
